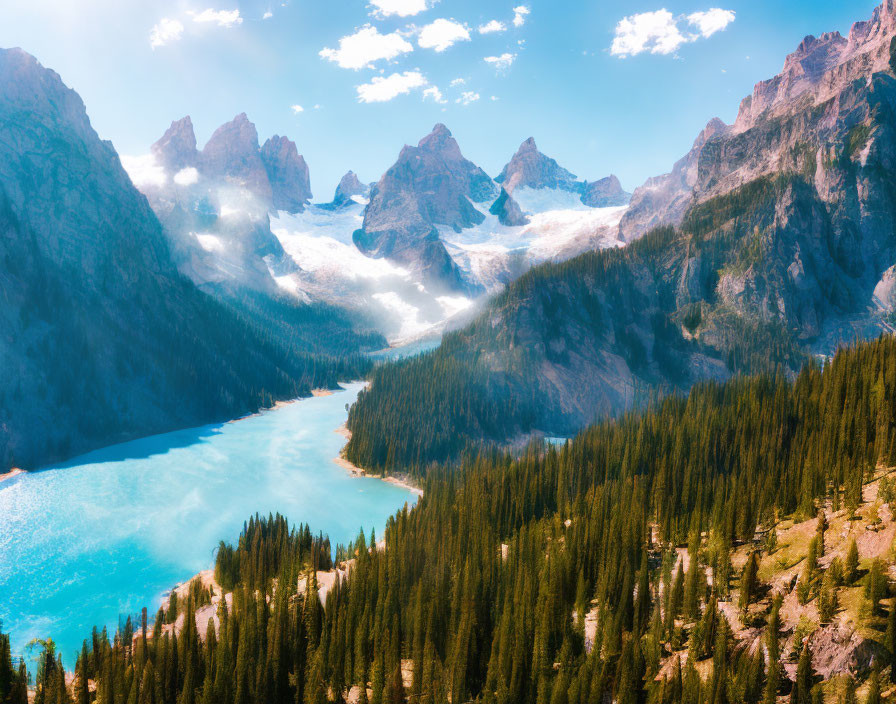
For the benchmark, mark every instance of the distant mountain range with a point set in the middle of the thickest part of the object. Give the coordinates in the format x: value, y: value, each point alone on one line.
x: 411, y: 253
x: 772, y: 240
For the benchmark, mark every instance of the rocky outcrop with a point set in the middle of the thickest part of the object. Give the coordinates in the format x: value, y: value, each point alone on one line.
x: 532, y: 169
x: 349, y: 186
x: 176, y: 150
x: 232, y: 155
x: 605, y: 193
x: 430, y: 185
x: 287, y: 174
x: 508, y: 211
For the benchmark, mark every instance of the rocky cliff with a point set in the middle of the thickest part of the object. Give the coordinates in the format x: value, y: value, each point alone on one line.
x: 787, y: 124
x: 287, y: 173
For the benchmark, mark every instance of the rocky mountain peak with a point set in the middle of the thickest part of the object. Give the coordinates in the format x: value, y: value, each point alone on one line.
x: 287, y: 173
x: 441, y: 141
x: 605, y: 193
x: 176, y: 149
x: 823, y: 66
x: 530, y: 168
x: 349, y: 185
x: 429, y: 185
x: 232, y: 154
x: 39, y: 90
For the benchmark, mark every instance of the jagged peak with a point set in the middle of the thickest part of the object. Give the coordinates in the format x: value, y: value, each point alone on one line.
x: 440, y: 135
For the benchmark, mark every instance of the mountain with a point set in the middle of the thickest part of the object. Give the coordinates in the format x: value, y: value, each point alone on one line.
x: 215, y: 204
x: 429, y: 185
x: 348, y: 192
x: 531, y: 170
x: 786, y: 124
x: 287, y: 173
x: 772, y: 240
x: 605, y: 193
x: 176, y: 150
x: 232, y: 155
x: 103, y: 339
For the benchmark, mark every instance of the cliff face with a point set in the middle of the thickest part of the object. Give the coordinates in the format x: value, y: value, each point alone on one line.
x: 786, y: 124
x: 430, y: 184
x: 287, y: 173
x: 102, y: 338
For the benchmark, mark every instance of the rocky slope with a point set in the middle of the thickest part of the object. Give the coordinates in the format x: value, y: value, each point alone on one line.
x: 102, y: 338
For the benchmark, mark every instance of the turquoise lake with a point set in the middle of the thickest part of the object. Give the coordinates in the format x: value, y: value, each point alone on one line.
x: 112, y: 531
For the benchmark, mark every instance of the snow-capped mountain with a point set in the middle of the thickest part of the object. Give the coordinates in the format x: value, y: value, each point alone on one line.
x: 412, y: 253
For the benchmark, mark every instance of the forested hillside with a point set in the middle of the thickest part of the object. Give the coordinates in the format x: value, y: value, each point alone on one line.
x: 562, y: 576
x: 569, y: 343
x: 782, y: 247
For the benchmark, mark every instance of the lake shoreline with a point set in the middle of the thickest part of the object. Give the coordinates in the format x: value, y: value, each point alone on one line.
x: 11, y: 474
x: 402, y: 481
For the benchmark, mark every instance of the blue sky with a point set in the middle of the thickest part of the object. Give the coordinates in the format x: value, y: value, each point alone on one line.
x: 553, y: 75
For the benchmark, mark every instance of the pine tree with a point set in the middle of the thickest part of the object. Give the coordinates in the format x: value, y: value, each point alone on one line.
x: 749, y: 581
x: 802, y: 685
x: 873, y: 696
x: 851, y: 564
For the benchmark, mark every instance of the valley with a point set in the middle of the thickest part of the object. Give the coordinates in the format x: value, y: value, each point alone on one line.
x: 457, y: 435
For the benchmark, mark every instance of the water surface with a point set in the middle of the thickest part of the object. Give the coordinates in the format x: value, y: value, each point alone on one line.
x: 111, y: 531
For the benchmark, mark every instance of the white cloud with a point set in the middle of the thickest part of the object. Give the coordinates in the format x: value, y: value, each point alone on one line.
x: 186, y: 177
x: 366, y: 46
x: 434, y: 94
x: 491, y: 27
x: 519, y: 15
x: 457, y: 82
x: 381, y: 90
x: 144, y: 170
x: 317, y: 106
x: 660, y: 32
x: 494, y: 98
x: 441, y: 34
x: 267, y: 15
x: 656, y: 32
x: 713, y: 20
x: 223, y: 18
x: 165, y: 32
x: 402, y: 8
x: 467, y: 97
x: 297, y: 109
x: 502, y: 62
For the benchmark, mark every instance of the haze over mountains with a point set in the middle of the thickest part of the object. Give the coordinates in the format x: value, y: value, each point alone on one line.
x: 103, y: 339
